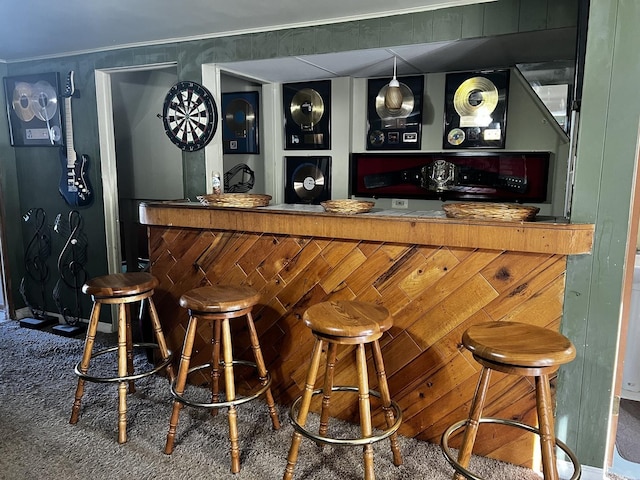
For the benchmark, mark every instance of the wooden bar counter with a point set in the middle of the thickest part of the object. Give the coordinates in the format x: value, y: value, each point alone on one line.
x: 437, y: 276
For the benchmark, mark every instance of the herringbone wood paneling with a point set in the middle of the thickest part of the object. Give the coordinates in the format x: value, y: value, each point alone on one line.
x: 433, y: 293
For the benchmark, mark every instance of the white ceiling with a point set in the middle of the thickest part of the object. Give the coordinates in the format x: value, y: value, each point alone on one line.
x: 34, y: 29
x: 503, y: 51
x: 41, y: 28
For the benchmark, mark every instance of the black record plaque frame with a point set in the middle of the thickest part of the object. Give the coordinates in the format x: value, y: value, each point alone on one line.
x: 307, y: 115
x: 395, y: 130
x: 34, y: 110
x: 476, y: 109
x: 308, y: 180
x: 240, y: 120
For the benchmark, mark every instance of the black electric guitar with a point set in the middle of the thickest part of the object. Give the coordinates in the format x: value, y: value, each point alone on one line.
x: 74, y: 185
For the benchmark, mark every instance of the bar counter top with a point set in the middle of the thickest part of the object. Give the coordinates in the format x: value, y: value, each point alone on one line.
x: 545, y: 235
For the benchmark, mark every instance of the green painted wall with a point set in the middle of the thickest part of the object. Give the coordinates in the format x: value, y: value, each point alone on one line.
x: 604, y: 174
x: 606, y: 158
x: 10, y: 200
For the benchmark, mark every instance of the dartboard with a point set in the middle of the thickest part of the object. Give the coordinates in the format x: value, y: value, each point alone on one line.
x: 190, y: 115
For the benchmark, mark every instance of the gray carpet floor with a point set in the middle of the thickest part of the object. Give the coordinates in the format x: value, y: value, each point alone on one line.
x: 37, y: 442
x: 628, y: 435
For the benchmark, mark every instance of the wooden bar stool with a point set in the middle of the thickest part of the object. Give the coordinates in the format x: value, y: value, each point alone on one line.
x: 346, y: 323
x: 120, y: 289
x: 218, y: 304
x: 516, y: 349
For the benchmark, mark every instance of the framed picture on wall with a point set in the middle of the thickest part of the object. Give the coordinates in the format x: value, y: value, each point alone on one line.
x: 33, y: 109
x: 240, y: 122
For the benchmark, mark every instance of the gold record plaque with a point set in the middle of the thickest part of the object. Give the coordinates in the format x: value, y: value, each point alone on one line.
x: 308, y: 180
x: 394, y: 129
x: 476, y: 109
x: 33, y: 110
x: 307, y: 112
x: 240, y: 122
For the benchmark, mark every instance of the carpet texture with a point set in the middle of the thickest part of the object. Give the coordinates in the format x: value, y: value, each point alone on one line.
x: 37, y: 441
x: 628, y: 435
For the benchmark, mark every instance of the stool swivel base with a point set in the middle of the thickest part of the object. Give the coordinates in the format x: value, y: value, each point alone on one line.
x: 120, y: 289
x: 346, y: 323
x: 515, y: 349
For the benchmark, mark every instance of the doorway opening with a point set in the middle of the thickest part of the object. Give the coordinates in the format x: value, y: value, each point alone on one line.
x: 138, y: 160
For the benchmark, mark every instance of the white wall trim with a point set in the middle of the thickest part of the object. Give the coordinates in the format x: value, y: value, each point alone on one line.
x: 565, y: 470
x: 108, y: 167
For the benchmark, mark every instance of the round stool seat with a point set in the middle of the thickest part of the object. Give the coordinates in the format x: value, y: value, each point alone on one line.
x: 219, y: 298
x: 343, y: 318
x: 518, y: 344
x: 120, y: 284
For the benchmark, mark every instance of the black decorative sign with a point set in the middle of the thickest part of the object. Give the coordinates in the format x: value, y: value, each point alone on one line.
x: 33, y: 109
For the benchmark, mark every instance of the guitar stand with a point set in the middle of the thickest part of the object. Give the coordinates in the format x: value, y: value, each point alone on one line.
x: 37, y: 253
x: 72, y: 273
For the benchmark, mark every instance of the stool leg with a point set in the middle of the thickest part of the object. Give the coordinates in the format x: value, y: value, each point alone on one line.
x: 475, y: 412
x: 215, y: 364
x: 181, y: 381
x: 157, y: 332
x: 132, y: 386
x: 545, y: 421
x: 86, y: 357
x: 122, y: 372
x: 365, y: 410
x: 327, y: 388
x: 312, y: 374
x: 230, y: 391
x: 386, y: 400
x: 262, y: 371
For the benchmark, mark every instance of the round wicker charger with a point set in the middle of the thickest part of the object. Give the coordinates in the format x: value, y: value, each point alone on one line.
x: 347, y: 206
x: 242, y: 200
x: 491, y: 211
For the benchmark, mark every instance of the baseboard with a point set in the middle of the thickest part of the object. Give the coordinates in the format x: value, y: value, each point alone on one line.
x: 565, y: 470
x: 26, y: 312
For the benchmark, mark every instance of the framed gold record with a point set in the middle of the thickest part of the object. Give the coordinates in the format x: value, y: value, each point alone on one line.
x: 476, y: 109
x: 394, y: 129
x: 308, y: 179
x: 240, y: 120
x: 34, y: 110
x: 307, y: 115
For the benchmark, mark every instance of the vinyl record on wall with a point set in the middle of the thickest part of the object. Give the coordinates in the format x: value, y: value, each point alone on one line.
x: 34, y: 110
x: 476, y: 109
x: 308, y: 180
x: 395, y: 129
x: 240, y: 122
x: 307, y: 115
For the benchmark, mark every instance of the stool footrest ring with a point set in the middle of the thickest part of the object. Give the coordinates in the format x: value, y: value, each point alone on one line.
x: 237, y: 401
x: 346, y: 441
x: 126, y: 378
x: 577, y: 469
